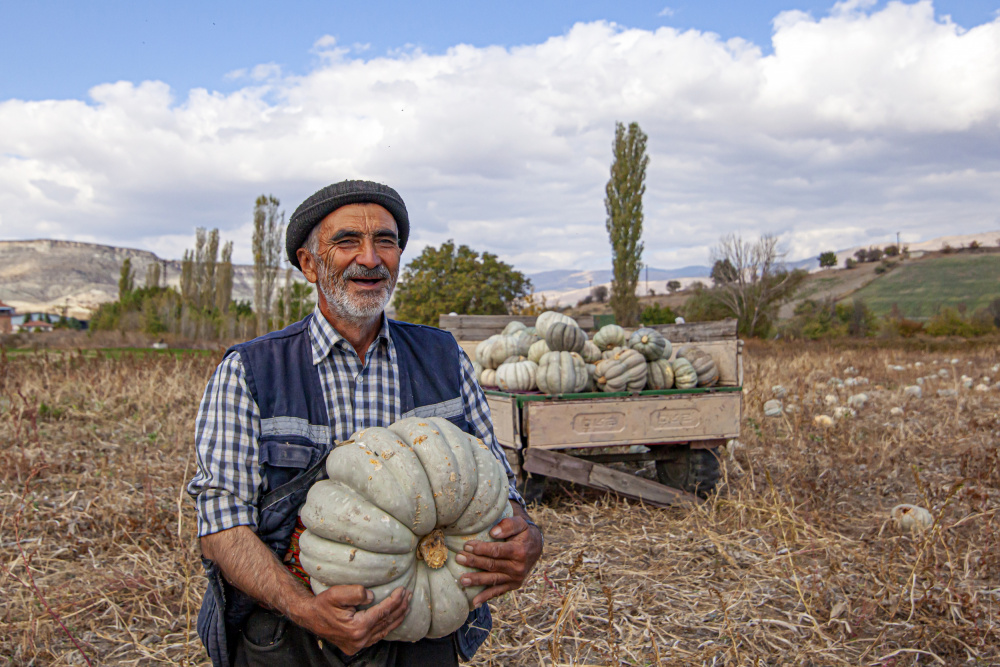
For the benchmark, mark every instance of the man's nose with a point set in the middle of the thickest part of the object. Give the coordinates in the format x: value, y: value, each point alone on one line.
x: 367, y: 256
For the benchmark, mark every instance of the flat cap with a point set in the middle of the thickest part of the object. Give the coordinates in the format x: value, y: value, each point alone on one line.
x: 329, y: 199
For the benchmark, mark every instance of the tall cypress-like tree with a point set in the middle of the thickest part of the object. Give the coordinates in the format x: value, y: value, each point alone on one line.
x: 624, y: 206
x: 268, y: 226
x: 224, y: 279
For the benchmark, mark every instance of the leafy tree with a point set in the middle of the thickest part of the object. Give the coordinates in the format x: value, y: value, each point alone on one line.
x: 850, y: 263
x: 153, y: 274
x: 828, y: 259
x: 599, y: 293
x: 723, y: 271
x: 891, y: 250
x: 126, y: 279
x: 224, y: 279
x: 268, y: 225
x: 657, y: 314
x: 624, y: 208
x: 673, y: 286
x: 458, y: 279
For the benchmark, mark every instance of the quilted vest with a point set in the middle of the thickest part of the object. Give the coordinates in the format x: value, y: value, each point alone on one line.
x: 295, y: 438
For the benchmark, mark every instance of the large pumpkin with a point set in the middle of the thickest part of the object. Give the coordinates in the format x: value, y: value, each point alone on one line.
x: 609, y: 336
x: 565, y: 337
x: 610, y: 375
x: 635, y: 367
x: 517, y: 375
x: 400, y: 503
x: 650, y: 343
x: 561, y: 373
x: 659, y: 374
x: 703, y: 364
x: 548, y: 318
x: 497, y: 351
x: 482, y: 351
x: 524, y: 341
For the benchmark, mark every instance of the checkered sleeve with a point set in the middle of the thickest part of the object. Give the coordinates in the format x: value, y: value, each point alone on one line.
x: 477, y: 411
x: 227, y: 483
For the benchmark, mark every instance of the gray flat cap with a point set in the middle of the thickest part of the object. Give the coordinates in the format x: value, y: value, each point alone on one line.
x: 329, y: 199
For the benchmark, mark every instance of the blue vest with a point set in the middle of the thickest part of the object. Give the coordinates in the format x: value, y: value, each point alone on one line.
x: 295, y: 439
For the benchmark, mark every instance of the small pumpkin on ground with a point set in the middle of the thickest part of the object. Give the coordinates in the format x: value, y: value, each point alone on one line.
x: 400, y: 503
x: 685, y: 377
x: 650, y: 343
x: 609, y: 337
x: 659, y: 374
x: 911, y: 518
x: 517, y: 375
x: 561, y: 373
x: 565, y: 337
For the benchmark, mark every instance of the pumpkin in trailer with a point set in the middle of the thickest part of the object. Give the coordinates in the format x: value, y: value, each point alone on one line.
x: 659, y: 374
x: 499, y: 350
x: 548, y: 318
x: 482, y: 350
x: 561, y: 373
x: 513, y: 327
x: 635, y: 367
x: 613, y: 352
x: 524, y: 341
x: 565, y: 337
x: 399, y: 504
x: 477, y: 370
x: 590, y: 352
x: 537, y: 349
x: 610, y: 375
x: 609, y: 337
x: 650, y: 343
x: 517, y: 375
x: 685, y: 376
x: 702, y: 362
x: 488, y: 378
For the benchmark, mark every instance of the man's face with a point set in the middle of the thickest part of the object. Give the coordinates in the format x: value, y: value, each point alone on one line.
x: 357, y: 261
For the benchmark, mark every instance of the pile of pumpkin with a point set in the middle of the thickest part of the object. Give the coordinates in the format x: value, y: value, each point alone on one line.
x: 556, y: 357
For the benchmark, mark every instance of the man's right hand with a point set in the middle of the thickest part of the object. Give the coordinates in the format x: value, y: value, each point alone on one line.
x: 333, y: 615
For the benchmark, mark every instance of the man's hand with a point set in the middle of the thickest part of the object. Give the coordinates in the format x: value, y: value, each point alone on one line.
x: 333, y: 615
x: 505, y: 564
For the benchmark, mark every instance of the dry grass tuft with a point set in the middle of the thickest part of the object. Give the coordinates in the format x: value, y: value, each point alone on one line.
x: 795, y: 562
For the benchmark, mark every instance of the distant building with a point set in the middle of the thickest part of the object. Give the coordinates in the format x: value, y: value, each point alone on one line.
x: 36, y: 325
x: 6, y: 317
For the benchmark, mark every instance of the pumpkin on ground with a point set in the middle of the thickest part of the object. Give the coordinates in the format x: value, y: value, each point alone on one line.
x: 609, y: 336
x: 659, y: 374
x: 537, y: 349
x: 685, y: 376
x: 561, y: 373
x: 488, y: 378
x: 590, y: 352
x: 513, y: 327
x: 399, y: 504
x: 548, y: 318
x: 703, y: 364
x: 650, y: 343
x: 517, y: 375
x: 911, y: 518
x: 565, y: 337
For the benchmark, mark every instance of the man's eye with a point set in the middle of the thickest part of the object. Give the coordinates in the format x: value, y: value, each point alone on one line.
x: 386, y: 243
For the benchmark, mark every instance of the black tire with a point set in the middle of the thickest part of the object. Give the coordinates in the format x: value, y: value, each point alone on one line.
x: 692, y: 470
x: 531, y: 487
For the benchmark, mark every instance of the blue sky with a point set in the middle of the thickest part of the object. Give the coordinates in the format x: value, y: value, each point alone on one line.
x: 59, y: 50
x: 830, y: 124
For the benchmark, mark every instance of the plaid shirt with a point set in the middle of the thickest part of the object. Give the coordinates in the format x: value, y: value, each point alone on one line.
x: 358, y: 395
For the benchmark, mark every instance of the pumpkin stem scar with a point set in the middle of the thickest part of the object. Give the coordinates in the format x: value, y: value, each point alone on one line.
x: 432, y: 549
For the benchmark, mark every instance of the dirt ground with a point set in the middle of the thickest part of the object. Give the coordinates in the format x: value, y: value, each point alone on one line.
x: 796, y: 560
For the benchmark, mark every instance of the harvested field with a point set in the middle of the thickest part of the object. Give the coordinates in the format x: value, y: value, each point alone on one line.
x: 794, y: 562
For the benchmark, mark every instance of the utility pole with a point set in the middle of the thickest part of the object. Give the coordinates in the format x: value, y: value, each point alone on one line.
x: 647, y: 280
x: 897, y: 242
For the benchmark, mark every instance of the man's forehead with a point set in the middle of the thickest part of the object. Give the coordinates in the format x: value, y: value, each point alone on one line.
x: 362, y: 217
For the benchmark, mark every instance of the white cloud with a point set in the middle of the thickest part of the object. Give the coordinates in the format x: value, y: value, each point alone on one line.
x: 859, y: 124
x: 666, y: 11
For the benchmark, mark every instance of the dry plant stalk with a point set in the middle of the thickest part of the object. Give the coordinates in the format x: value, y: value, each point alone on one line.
x: 794, y: 562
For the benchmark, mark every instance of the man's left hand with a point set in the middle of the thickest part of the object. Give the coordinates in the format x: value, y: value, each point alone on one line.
x: 505, y: 564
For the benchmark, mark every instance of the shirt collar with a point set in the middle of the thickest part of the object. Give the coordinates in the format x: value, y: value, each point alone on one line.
x: 324, y: 337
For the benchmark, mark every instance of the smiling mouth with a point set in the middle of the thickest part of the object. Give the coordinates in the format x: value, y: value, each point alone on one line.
x: 367, y: 282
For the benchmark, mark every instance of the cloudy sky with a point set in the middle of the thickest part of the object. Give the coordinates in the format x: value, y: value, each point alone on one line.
x: 829, y: 124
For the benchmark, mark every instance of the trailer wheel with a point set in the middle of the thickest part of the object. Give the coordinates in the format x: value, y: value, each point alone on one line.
x: 531, y: 487
x: 692, y: 470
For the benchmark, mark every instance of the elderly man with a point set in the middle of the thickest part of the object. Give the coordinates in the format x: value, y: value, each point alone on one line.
x: 273, y: 410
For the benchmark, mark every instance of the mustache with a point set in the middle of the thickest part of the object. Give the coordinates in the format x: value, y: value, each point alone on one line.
x: 358, y: 271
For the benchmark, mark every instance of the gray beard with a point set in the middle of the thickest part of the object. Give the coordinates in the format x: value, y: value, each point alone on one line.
x: 357, y: 309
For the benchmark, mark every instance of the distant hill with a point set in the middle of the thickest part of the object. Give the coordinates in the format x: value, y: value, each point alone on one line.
x: 46, y: 275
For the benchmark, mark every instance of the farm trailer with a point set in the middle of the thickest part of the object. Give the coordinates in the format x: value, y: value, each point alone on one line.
x: 571, y: 436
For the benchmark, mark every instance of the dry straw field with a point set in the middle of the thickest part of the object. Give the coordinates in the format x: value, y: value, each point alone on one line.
x: 794, y: 562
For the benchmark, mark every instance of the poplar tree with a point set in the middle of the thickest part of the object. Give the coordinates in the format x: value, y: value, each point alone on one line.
x: 624, y: 207
x: 224, y: 279
x: 268, y: 225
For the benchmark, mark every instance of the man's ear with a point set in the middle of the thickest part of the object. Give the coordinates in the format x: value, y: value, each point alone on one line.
x: 308, y: 264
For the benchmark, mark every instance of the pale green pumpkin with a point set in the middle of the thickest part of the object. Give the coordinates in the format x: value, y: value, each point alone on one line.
x: 565, y: 337
x: 517, y: 375
x: 609, y: 336
x: 537, y: 349
x: 590, y: 352
x: 703, y: 363
x: 685, y: 377
x: 513, y: 327
x: 659, y: 374
x: 399, y: 505
x: 561, y: 373
x: 610, y: 375
x: 548, y: 318
x: 650, y: 343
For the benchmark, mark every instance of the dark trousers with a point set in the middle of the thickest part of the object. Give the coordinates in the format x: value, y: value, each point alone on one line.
x: 271, y: 640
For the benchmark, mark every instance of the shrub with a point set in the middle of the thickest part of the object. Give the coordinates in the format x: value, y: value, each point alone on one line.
x: 950, y: 322
x: 891, y: 250
x: 947, y: 249
x: 657, y: 314
x: 850, y: 263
